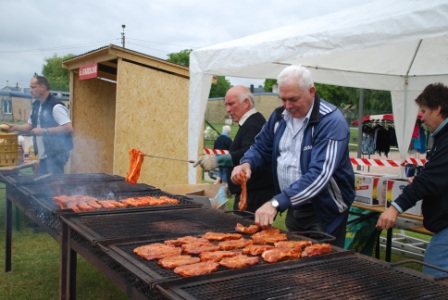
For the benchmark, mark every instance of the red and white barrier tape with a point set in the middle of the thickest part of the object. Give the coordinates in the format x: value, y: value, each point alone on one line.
x: 356, y: 161
x: 386, y: 162
x: 215, y: 151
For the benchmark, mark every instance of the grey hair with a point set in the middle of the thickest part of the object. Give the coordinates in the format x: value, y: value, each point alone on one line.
x: 246, y: 94
x: 297, y: 73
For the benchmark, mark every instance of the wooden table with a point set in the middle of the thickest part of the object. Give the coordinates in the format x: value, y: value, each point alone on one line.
x: 377, y: 210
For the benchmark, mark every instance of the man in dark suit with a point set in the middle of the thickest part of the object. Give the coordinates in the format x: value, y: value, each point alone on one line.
x: 240, y: 106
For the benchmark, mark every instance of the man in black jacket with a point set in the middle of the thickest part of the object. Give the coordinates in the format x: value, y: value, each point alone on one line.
x: 240, y: 106
x: 51, y: 126
x: 430, y: 184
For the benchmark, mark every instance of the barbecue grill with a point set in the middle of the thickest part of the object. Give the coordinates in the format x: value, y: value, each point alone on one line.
x: 49, y: 210
x: 41, y: 209
x: 35, y: 198
x: 166, y: 223
x: 106, y: 239
x: 116, y: 235
x: 342, y: 276
x: 151, y: 272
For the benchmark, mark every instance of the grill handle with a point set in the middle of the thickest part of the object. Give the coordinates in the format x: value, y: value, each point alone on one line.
x: 244, y: 214
x: 322, y: 237
x: 407, y: 261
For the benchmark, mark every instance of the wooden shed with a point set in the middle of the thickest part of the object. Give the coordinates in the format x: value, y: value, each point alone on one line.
x: 132, y: 101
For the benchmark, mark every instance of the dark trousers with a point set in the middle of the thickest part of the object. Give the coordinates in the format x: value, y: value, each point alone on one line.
x: 53, y: 164
x: 304, y: 219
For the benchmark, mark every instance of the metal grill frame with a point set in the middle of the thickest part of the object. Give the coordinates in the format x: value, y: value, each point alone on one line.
x: 135, y: 283
x: 48, y: 203
x: 345, y: 276
x: 73, y: 244
x: 200, y: 220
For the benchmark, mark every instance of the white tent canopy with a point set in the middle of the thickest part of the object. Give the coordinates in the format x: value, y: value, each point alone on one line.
x: 399, y: 46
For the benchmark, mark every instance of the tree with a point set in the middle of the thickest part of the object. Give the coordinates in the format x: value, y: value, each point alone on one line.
x: 218, y: 89
x: 58, y: 77
x: 375, y: 101
x: 268, y: 84
x: 180, y: 58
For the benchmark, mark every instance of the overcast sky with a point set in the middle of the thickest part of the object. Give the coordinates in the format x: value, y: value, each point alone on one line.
x: 33, y: 30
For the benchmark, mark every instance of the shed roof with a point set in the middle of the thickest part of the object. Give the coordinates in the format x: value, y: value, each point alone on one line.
x: 107, y: 59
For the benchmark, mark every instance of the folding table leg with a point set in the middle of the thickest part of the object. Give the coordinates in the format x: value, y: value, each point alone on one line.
x: 67, y: 266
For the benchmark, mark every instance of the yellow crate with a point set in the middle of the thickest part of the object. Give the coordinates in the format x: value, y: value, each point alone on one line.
x: 9, y: 149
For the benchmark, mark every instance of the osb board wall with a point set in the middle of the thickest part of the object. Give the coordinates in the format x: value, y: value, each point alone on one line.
x: 152, y: 116
x: 93, y: 117
x: 264, y: 103
x: 21, y: 108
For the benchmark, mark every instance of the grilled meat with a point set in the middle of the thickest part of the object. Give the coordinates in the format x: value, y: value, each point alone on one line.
x: 199, y: 268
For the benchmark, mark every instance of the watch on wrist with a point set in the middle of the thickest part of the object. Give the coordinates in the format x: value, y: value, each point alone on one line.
x: 45, y: 130
x: 274, y: 203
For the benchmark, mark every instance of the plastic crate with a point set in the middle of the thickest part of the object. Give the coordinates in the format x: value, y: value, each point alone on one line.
x: 9, y: 149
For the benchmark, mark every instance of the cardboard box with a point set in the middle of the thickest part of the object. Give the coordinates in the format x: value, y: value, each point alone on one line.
x: 206, y: 194
x: 208, y: 190
x: 394, y: 189
x: 371, y: 188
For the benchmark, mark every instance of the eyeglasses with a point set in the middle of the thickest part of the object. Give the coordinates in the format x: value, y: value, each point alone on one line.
x: 33, y: 86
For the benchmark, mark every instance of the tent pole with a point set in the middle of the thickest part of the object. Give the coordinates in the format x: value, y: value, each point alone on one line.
x: 360, y: 114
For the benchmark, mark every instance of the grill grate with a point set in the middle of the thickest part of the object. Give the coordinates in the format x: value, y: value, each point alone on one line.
x: 48, y: 202
x: 167, y: 223
x: 44, y: 210
x: 152, y: 272
x: 342, y: 277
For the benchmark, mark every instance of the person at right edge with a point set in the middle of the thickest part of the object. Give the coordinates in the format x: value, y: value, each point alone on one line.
x: 305, y: 141
x: 430, y: 184
x: 51, y: 127
x: 240, y: 105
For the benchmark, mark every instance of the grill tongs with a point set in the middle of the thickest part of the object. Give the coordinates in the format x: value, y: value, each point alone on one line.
x: 169, y: 158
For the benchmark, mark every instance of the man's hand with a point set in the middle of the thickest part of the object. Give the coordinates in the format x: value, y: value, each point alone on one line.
x: 265, y: 215
x: 388, y: 218
x: 20, y: 128
x: 207, y: 162
x: 235, y: 177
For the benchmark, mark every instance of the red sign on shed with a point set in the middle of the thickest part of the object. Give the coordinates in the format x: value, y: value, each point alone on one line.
x: 88, y: 71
